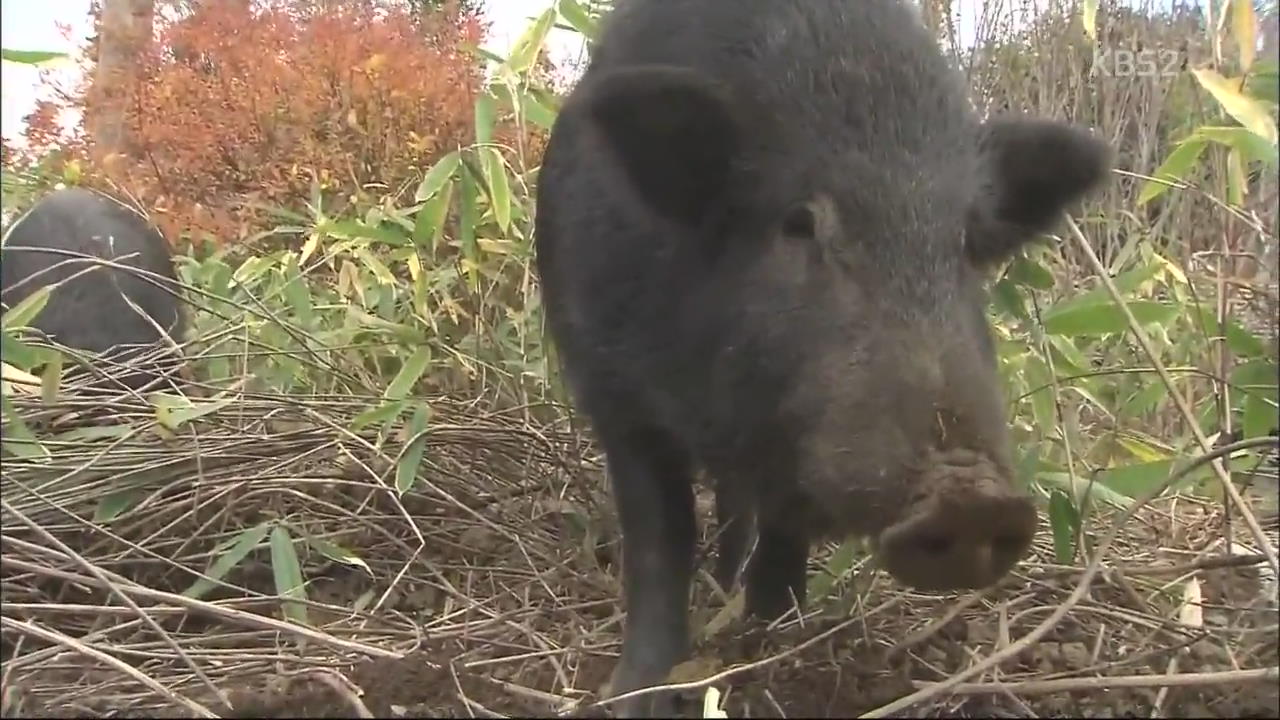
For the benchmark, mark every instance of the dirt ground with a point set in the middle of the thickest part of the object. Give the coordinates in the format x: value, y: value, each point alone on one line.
x: 840, y: 678
x: 491, y: 588
x: 842, y: 675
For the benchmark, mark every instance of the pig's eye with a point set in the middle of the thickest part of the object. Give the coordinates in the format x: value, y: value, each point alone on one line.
x: 800, y: 222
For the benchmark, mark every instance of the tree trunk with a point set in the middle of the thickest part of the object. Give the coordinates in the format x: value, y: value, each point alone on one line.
x: 124, y: 32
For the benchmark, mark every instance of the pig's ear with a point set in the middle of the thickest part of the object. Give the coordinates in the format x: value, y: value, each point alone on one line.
x: 1032, y: 170
x: 673, y: 132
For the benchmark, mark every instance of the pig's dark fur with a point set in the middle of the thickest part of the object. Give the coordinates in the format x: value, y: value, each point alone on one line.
x: 90, y: 312
x: 761, y: 234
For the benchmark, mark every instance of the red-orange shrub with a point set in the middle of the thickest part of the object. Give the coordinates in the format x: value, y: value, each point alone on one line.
x: 43, y: 130
x: 253, y: 102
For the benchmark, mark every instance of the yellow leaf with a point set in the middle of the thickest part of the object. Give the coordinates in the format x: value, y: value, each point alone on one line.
x: 375, y: 62
x: 711, y: 704
x: 353, y: 120
x: 496, y: 246
x: 349, y: 281
x: 1249, y: 112
x: 1191, y: 613
x: 72, y: 172
x: 24, y: 382
x: 415, y: 267
x: 1171, y: 268
x: 1244, y: 25
x: 1142, y: 451
x: 309, y: 247
x: 1090, y: 18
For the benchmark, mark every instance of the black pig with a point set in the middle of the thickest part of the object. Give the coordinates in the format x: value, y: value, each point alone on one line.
x: 90, y: 312
x: 761, y: 235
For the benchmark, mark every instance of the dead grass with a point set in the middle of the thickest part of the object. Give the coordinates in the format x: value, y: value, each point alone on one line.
x: 490, y: 588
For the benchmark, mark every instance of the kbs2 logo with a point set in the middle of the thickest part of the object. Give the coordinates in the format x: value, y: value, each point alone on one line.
x: 1145, y: 63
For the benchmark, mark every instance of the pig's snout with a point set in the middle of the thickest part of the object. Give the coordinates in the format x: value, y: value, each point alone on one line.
x: 965, y: 528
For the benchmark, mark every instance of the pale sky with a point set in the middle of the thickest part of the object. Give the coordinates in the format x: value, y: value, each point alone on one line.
x: 32, y: 25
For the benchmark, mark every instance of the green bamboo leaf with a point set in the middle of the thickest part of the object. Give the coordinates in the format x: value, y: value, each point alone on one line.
x: 1257, y: 381
x: 51, y: 377
x: 91, y: 434
x: 495, y: 171
x: 1028, y: 464
x: 19, y: 354
x: 287, y: 572
x: 381, y: 413
x: 24, y: 312
x: 1145, y: 400
x: 409, y: 373
x: 115, y: 504
x: 1256, y: 377
x: 411, y: 459
x: 1095, y: 491
x: 1106, y: 318
x: 1068, y: 355
x: 1136, y: 479
x: 485, y: 112
x: 1173, y: 169
x: 467, y: 227
x: 1026, y: 271
x: 437, y: 176
x: 1253, y: 148
x: 1006, y: 298
x: 296, y: 291
x: 1127, y: 282
x: 357, y: 229
x: 1042, y: 405
x: 174, y: 411
x: 1263, y: 81
x: 428, y: 225
x: 525, y: 51
x: 1237, y: 183
x: 1063, y: 521
x: 17, y: 439
x: 251, y: 270
x: 838, y: 565
x: 242, y: 545
x: 577, y: 16
x: 1260, y: 416
x: 1242, y: 342
x: 536, y: 111
x: 337, y: 553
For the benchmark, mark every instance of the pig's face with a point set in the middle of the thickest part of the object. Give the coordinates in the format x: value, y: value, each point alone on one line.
x: 853, y: 289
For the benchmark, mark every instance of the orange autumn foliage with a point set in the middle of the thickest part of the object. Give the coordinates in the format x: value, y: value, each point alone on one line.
x: 43, y: 130
x: 238, y: 105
